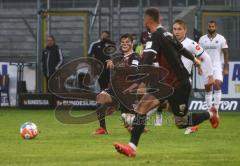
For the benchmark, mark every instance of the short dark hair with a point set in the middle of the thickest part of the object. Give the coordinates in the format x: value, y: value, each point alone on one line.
x: 153, y: 13
x: 107, y: 32
x: 212, y: 22
x: 52, y: 37
x: 127, y: 35
x: 180, y: 22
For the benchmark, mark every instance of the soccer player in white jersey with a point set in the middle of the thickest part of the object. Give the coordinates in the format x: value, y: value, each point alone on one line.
x: 216, y: 46
x: 180, y: 30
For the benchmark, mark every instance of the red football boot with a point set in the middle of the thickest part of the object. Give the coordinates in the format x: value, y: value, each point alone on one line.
x: 125, y: 149
x: 214, y: 120
x: 101, y: 131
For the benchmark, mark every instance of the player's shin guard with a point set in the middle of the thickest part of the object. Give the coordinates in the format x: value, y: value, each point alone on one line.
x: 217, y: 98
x: 197, y: 118
x: 101, y: 108
x: 138, y: 127
x: 208, y: 98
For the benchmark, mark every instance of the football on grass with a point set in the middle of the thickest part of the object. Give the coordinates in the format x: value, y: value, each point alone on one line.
x: 28, y: 130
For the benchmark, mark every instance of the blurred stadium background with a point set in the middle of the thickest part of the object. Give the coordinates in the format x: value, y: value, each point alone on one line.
x: 76, y: 23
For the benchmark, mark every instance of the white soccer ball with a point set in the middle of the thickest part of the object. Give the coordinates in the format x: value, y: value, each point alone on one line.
x: 28, y: 130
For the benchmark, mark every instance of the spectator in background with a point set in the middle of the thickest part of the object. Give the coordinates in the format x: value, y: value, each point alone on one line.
x: 52, y: 58
x: 101, y: 50
x: 216, y: 46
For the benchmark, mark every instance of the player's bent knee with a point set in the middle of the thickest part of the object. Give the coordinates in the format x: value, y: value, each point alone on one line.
x: 144, y: 107
x: 103, y: 98
x: 217, y: 84
x: 181, y: 121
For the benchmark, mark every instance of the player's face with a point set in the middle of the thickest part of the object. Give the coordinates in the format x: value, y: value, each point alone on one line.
x: 50, y: 42
x: 126, y: 45
x: 179, y: 31
x: 211, y: 28
x: 104, y: 36
x: 147, y: 20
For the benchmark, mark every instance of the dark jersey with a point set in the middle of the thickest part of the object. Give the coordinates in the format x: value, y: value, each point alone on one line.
x: 96, y: 50
x: 52, y: 59
x: 126, y: 60
x: 123, y: 67
x: 145, y: 36
x: 167, y: 57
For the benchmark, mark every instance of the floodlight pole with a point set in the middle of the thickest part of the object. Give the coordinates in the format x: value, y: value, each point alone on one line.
x: 111, y: 15
x: 119, y: 17
x: 140, y: 13
x: 170, y: 14
x: 48, y: 19
x: 100, y: 19
x: 39, y: 51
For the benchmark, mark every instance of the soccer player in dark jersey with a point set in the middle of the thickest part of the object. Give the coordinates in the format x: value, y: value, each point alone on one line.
x: 106, y: 98
x: 96, y: 50
x: 168, y: 50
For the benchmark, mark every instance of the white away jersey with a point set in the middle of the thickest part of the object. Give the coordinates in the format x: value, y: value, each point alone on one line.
x: 194, y: 48
x: 214, y: 47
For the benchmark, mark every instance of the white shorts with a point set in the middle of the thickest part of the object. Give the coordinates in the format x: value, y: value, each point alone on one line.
x: 217, y: 73
x: 207, y: 67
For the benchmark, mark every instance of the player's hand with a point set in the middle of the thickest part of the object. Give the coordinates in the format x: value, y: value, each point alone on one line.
x: 210, y: 80
x: 197, y: 62
x: 130, y: 89
x: 199, y: 69
x: 110, y: 64
x: 141, y: 88
x: 225, y: 69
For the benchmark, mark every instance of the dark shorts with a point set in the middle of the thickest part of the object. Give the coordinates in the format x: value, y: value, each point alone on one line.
x: 179, y: 100
x: 104, y: 79
x: 122, y: 107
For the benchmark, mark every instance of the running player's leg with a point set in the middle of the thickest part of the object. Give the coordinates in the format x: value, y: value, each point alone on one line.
x: 106, y: 105
x: 159, y: 116
x: 207, y: 72
x: 147, y: 103
x: 178, y: 102
x: 218, y: 78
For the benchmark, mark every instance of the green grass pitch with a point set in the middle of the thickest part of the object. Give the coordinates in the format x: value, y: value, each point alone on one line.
x: 74, y: 145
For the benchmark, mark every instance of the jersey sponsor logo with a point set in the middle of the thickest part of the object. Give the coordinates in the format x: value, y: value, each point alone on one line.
x: 210, y: 47
x: 197, y: 47
x: 135, y: 62
x: 167, y: 34
x: 148, y: 44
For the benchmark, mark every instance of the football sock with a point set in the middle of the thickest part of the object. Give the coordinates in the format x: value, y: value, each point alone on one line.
x: 132, y: 146
x: 217, y: 98
x: 101, y: 108
x: 197, y: 118
x: 208, y: 98
x: 138, y: 127
x: 159, y: 111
